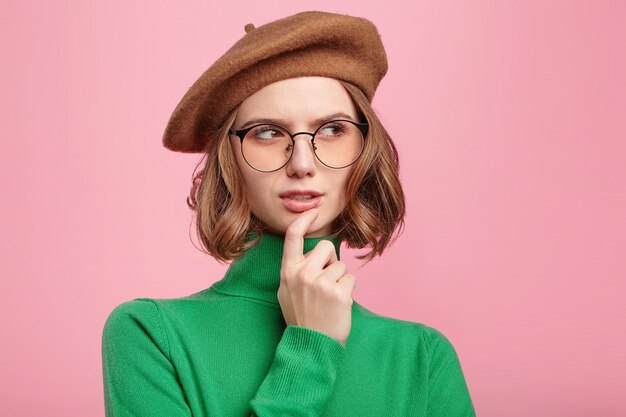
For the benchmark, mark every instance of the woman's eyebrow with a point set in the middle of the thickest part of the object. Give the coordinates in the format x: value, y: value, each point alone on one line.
x: 281, y: 122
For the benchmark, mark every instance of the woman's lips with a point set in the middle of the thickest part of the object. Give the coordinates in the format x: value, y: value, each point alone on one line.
x: 298, y: 206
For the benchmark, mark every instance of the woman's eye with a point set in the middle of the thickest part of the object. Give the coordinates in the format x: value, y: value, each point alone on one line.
x: 331, y: 130
x: 267, y: 133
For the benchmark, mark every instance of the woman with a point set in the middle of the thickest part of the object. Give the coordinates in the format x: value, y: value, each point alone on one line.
x: 297, y: 162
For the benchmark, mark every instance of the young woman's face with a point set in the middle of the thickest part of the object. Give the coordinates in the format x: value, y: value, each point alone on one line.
x: 295, y: 103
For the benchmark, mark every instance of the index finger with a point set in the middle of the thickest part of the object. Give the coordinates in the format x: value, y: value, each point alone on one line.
x: 293, y: 250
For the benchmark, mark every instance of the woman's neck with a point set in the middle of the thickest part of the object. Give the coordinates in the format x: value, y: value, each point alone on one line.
x: 256, y: 274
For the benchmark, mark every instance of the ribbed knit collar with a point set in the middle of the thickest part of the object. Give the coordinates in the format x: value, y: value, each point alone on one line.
x: 256, y: 274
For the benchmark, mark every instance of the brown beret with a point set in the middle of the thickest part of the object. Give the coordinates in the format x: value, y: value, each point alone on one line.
x: 311, y: 43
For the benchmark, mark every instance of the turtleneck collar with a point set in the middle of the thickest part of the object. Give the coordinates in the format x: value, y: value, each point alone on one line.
x: 256, y: 274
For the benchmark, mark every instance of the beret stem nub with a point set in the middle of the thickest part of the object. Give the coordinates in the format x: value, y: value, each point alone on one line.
x: 249, y: 27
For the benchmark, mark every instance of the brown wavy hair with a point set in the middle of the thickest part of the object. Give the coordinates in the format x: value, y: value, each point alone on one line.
x: 375, y: 203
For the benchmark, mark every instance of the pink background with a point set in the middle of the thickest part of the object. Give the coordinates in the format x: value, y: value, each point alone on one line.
x: 510, y: 122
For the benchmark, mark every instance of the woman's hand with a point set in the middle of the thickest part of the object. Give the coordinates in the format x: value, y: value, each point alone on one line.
x: 315, y: 290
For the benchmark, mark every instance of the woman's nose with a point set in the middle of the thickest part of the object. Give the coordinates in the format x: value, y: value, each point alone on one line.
x: 303, y: 158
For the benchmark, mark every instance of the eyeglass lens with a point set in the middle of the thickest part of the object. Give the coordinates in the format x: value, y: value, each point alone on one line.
x: 337, y: 144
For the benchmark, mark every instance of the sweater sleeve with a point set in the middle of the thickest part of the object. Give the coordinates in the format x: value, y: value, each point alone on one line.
x: 448, y: 394
x: 140, y: 379
x: 302, y: 376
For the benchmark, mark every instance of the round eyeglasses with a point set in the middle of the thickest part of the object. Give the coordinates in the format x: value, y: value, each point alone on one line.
x: 268, y: 147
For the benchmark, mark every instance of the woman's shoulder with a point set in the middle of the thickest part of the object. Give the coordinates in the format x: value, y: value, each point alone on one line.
x: 393, y: 328
x: 148, y: 311
x: 138, y: 308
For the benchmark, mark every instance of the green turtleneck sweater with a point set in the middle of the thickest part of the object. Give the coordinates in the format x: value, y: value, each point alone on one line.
x: 226, y: 351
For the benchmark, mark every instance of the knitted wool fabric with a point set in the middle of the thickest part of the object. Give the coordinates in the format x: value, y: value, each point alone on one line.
x: 311, y: 43
x: 226, y: 351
